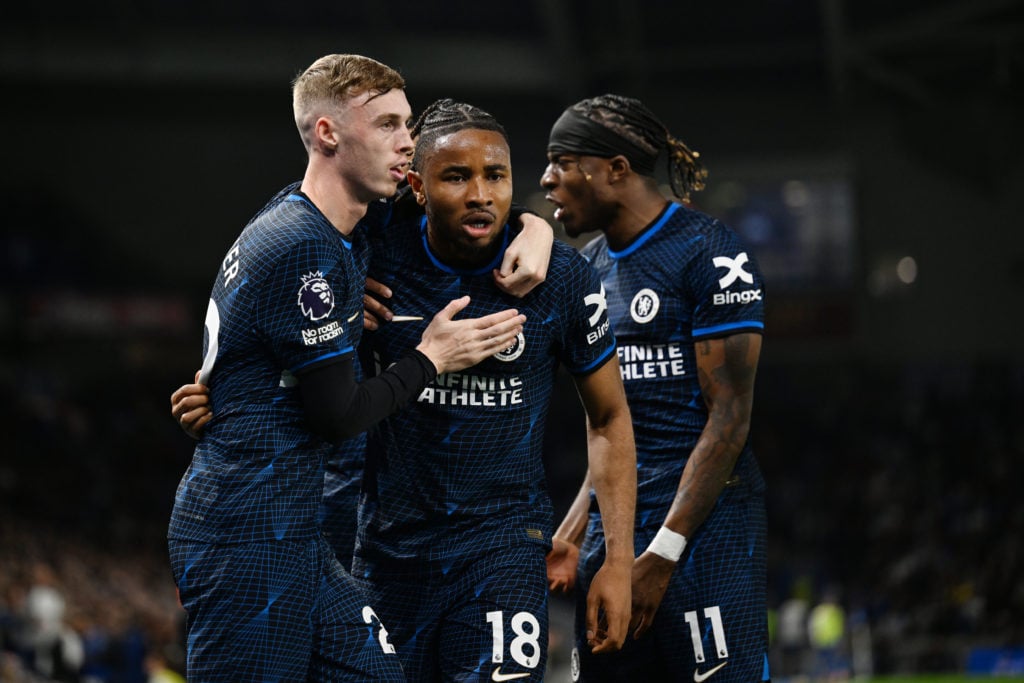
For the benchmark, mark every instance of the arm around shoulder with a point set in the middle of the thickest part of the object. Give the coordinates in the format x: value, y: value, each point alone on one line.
x: 526, y: 260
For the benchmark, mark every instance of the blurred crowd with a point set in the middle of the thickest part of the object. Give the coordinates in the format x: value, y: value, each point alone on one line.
x: 894, y: 498
x: 85, y: 588
x: 72, y: 612
x: 894, y: 517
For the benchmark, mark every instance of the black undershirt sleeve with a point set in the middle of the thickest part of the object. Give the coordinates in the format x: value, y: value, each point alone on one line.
x: 338, y: 408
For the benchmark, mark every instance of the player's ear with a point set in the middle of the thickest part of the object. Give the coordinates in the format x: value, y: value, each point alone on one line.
x: 618, y: 168
x: 325, y: 135
x: 416, y: 184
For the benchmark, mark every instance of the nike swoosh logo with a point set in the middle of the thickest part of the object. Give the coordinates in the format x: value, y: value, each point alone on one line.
x: 354, y: 316
x: 698, y: 677
x: 497, y: 676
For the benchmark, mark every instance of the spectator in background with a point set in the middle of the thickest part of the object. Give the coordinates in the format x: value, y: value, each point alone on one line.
x: 791, y: 635
x: 56, y: 649
x: 826, y: 631
x: 158, y: 671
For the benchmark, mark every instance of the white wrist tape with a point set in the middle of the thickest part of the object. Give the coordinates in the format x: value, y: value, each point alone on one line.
x: 668, y: 544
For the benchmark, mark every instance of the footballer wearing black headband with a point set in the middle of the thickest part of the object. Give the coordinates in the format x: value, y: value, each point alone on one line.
x: 686, y: 301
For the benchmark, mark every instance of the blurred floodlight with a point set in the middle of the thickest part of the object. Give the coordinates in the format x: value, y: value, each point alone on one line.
x: 906, y: 270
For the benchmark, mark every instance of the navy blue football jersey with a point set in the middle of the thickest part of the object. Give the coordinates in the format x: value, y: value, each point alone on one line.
x: 687, y: 277
x: 459, y: 472
x: 343, y: 477
x: 288, y: 296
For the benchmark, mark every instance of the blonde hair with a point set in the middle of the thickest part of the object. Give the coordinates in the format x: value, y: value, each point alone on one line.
x: 329, y: 81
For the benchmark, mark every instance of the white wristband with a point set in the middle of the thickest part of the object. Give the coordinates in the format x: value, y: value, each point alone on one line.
x: 668, y: 544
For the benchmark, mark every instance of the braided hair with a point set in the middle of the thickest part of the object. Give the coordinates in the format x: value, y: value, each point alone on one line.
x: 444, y: 117
x: 631, y: 120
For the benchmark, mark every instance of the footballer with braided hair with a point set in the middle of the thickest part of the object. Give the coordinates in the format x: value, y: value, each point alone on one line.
x: 455, y: 520
x: 686, y: 300
x: 641, y: 136
x: 446, y: 116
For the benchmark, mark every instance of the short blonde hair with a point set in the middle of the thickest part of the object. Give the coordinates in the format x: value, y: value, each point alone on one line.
x: 331, y: 80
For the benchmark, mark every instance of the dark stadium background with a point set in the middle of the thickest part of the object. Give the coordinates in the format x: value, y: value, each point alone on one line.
x: 871, y: 150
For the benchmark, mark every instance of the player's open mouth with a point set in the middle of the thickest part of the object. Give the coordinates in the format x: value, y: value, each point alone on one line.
x: 398, y: 172
x: 559, y: 214
x: 478, y: 224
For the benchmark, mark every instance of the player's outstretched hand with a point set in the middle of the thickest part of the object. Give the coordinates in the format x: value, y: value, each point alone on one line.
x: 453, y: 345
x: 373, y: 310
x: 651, y: 574
x: 608, y: 603
x: 526, y: 260
x: 190, y: 407
x: 562, y: 563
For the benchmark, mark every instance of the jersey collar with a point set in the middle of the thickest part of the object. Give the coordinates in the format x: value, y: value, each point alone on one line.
x: 495, y: 262
x: 647, y: 233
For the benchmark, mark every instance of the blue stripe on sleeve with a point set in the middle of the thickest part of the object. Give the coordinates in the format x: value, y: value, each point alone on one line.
x: 728, y: 327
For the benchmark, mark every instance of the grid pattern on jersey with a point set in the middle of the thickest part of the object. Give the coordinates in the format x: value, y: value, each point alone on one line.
x: 350, y: 641
x: 662, y: 293
x: 248, y: 607
x: 724, y: 568
x: 459, y: 471
x: 686, y: 277
x: 276, y: 611
x: 343, y: 476
x: 444, y: 624
x: 289, y: 293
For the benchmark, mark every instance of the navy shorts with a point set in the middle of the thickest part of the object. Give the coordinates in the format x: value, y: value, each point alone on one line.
x: 481, y: 620
x: 277, y: 611
x: 712, y: 623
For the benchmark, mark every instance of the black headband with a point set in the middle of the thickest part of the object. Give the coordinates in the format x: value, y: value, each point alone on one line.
x: 574, y: 133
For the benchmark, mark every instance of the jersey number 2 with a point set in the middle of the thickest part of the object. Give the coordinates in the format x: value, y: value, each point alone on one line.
x: 382, y: 633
